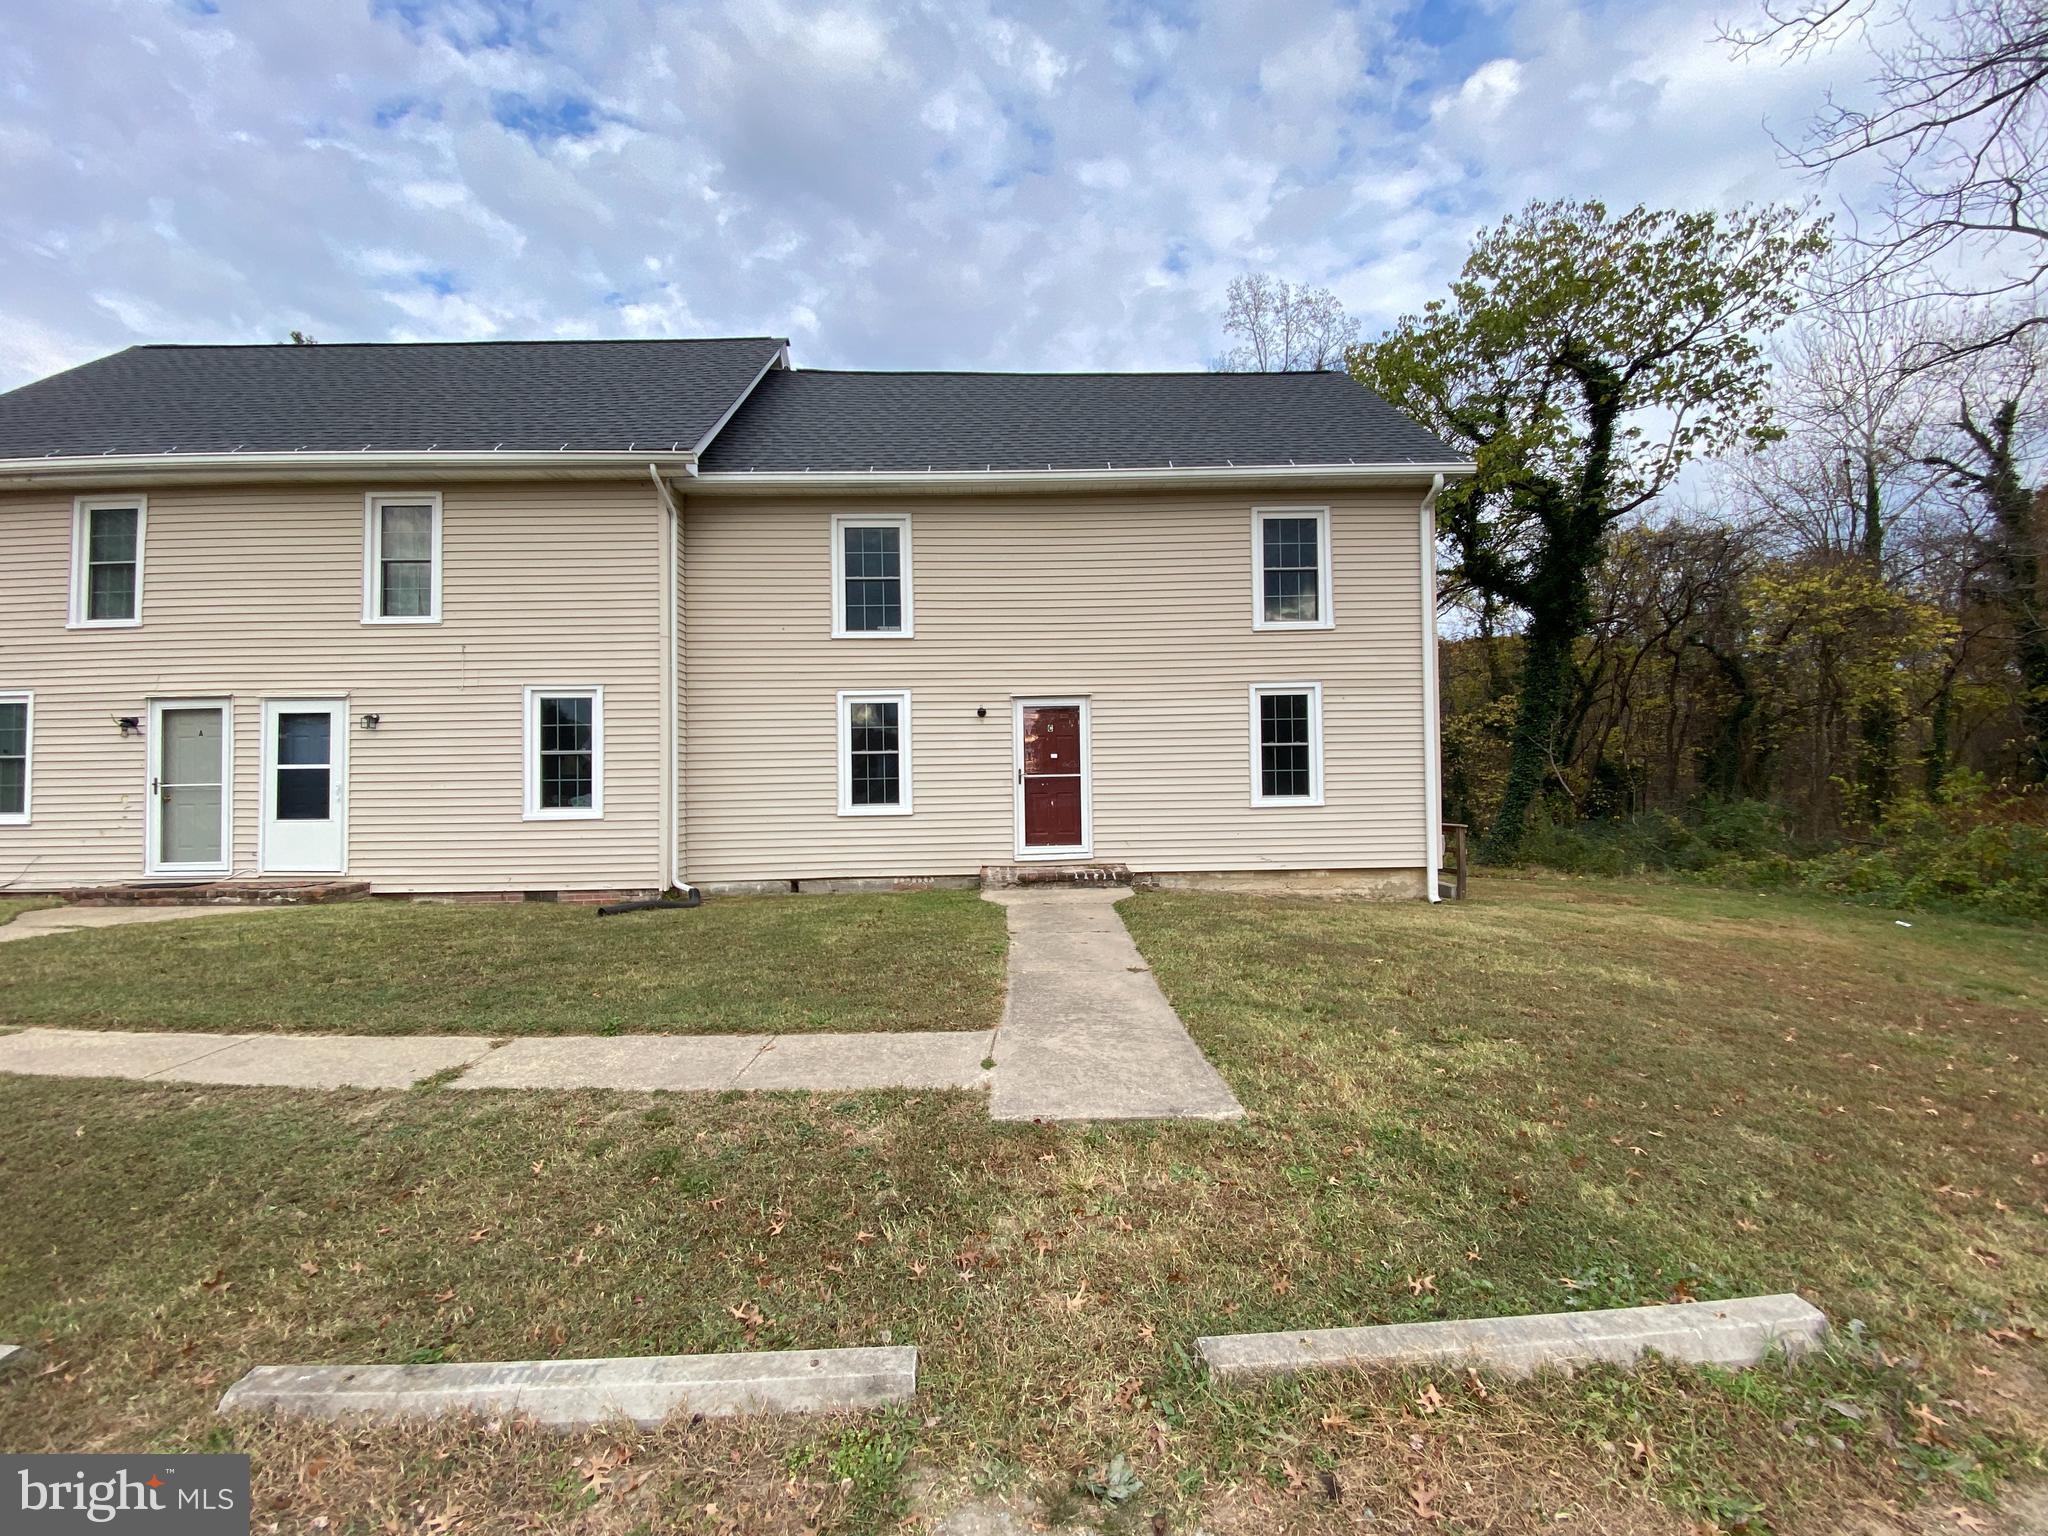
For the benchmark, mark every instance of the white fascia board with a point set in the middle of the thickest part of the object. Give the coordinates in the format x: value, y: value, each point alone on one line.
x: 779, y: 360
x: 947, y: 481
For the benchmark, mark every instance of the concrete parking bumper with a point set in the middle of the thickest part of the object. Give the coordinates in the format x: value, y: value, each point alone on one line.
x: 1733, y: 1333
x: 572, y: 1393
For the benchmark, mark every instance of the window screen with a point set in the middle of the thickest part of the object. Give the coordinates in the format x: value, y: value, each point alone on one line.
x: 112, y: 543
x: 874, y: 753
x: 405, y: 561
x: 567, y: 767
x: 1286, y: 761
x: 13, y: 757
x: 873, y: 575
x: 304, y: 765
x: 1292, y: 561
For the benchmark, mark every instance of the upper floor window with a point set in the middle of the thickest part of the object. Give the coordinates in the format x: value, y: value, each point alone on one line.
x: 1287, y: 744
x: 402, y: 560
x: 870, y: 576
x: 564, y: 753
x: 1291, y: 568
x: 16, y: 720
x: 106, y: 560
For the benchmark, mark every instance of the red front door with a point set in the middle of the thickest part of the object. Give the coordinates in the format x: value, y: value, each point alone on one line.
x: 1051, y: 768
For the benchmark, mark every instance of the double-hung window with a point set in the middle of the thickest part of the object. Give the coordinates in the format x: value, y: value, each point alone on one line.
x: 871, y: 577
x: 564, y: 754
x: 874, y: 754
x: 402, y: 560
x: 106, y: 561
x: 1291, y: 568
x: 1287, y: 744
x: 17, y: 720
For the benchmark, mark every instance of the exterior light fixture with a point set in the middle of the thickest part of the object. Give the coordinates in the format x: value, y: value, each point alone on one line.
x: 131, y: 725
x: 370, y: 722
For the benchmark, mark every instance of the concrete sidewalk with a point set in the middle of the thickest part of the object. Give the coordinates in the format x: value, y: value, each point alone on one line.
x: 43, y: 921
x: 628, y: 1063
x: 252, y: 1061
x: 1086, y: 1032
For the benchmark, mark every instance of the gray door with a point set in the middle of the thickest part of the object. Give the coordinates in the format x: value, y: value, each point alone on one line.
x: 189, y: 787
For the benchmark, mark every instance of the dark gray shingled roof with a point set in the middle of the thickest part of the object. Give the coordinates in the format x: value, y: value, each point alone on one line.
x: 805, y: 419
x: 536, y: 395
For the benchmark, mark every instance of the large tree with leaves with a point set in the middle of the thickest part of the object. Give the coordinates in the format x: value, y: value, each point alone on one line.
x: 1581, y: 359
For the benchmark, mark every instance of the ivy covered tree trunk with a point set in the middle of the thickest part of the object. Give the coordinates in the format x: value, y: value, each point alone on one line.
x: 2020, y: 516
x: 1934, y: 761
x: 1546, y: 675
x: 2017, y: 516
x: 1723, y: 775
x: 1558, y: 595
x: 1877, y: 724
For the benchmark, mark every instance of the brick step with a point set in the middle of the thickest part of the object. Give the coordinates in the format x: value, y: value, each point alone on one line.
x: 211, y: 893
x: 1000, y: 876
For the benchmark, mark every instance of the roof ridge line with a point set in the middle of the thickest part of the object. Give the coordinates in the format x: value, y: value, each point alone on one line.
x: 496, y: 341
x: 1092, y: 373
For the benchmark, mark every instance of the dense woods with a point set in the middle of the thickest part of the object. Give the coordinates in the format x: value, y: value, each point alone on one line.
x: 1753, y: 574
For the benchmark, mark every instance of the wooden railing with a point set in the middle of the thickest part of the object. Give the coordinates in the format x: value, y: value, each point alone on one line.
x: 1454, y: 848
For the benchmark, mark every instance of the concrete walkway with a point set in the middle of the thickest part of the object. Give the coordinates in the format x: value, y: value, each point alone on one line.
x: 1086, y: 1032
x: 631, y: 1063
x: 43, y: 921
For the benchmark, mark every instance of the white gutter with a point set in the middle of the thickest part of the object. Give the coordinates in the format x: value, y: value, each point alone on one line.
x: 671, y: 754
x: 1186, y: 476
x: 1432, y: 703
x: 579, y: 463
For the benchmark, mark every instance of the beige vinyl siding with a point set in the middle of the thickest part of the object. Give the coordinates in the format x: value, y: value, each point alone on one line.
x: 1143, y: 603
x: 255, y: 591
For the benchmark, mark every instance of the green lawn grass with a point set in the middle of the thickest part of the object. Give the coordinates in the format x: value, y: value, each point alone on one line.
x: 930, y: 960
x: 1561, y: 1094
x: 12, y: 907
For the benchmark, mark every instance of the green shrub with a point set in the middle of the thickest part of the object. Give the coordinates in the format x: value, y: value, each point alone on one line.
x: 1974, y: 851
x: 1656, y: 842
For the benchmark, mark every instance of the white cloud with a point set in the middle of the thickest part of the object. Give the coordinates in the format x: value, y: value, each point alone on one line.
x: 940, y: 183
x: 1485, y: 93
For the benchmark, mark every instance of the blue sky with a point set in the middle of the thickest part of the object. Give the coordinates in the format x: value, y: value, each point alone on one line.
x: 890, y: 183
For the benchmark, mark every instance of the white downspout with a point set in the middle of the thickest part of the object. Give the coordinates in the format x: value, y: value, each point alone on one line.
x: 1432, y: 704
x: 671, y: 756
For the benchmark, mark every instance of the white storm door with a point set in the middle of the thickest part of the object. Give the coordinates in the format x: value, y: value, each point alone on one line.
x: 189, y: 787
x: 305, y: 786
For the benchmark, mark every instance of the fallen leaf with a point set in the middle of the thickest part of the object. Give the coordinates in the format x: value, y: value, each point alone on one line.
x: 1421, y: 1495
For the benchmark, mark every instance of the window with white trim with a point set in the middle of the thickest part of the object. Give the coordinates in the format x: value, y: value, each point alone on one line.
x: 402, y: 559
x: 1287, y: 743
x: 874, y: 753
x: 564, y: 754
x: 17, y: 723
x: 1291, y: 568
x: 106, y: 561
x: 871, y: 577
